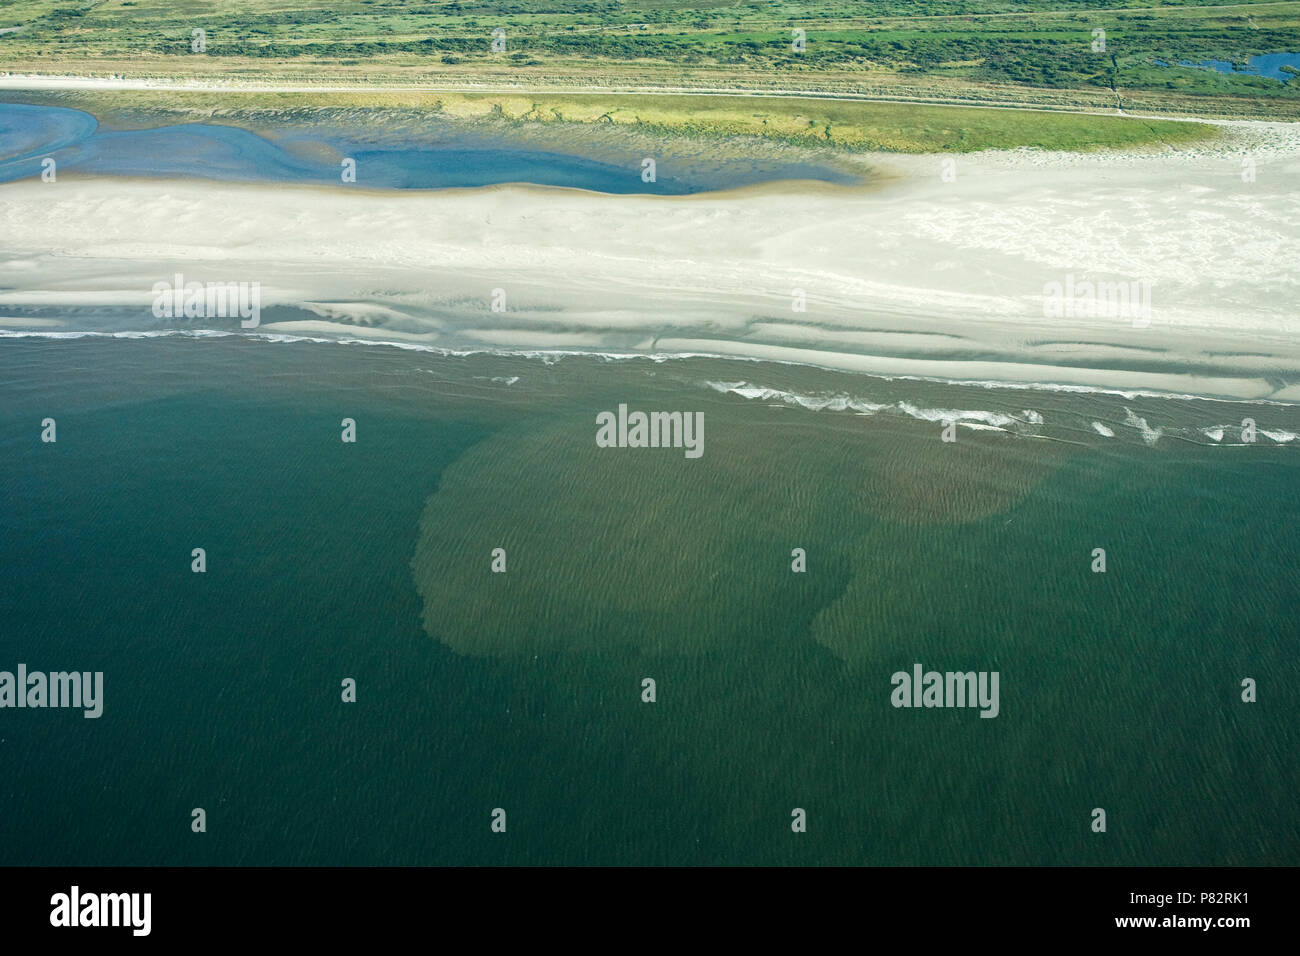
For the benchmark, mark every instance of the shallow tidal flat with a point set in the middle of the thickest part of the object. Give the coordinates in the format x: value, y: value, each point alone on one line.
x: 402, y: 149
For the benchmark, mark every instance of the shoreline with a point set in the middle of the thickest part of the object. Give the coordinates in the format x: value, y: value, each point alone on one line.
x: 18, y: 329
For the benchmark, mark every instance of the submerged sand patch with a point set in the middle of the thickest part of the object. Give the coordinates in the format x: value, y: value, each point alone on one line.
x: 647, y: 550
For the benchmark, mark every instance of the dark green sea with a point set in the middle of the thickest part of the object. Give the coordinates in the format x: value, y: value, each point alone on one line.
x: 371, y: 560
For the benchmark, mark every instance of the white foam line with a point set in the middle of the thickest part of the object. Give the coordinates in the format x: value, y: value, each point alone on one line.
x: 1149, y: 435
x: 552, y: 355
x: 976, y: 419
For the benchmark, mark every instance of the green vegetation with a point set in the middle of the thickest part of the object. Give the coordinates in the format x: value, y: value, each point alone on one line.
x: 1013, y: 52
x: 862, y: 125
x: 1036, y: 43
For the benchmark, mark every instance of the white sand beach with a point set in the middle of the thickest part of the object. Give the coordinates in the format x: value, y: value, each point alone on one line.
x: 912, y: 275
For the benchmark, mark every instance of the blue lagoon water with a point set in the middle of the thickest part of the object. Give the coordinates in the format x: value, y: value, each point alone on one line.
x: 1264, y: 64
x: 429, y: 156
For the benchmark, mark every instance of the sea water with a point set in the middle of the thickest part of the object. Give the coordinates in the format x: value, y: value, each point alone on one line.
x: 523, y: 690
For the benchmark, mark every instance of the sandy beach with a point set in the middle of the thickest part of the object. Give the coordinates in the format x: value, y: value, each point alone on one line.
x: 934, y: 269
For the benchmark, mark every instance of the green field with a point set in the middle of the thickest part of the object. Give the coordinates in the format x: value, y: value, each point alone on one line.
x: 1035, y: 51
